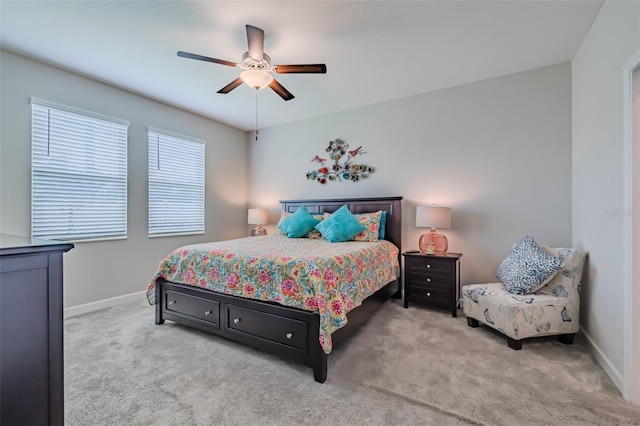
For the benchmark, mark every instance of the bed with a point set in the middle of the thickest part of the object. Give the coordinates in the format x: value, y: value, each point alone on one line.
x: 305, y: 334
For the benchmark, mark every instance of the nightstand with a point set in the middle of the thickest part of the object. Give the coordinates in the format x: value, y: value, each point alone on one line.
x: 433, y: 279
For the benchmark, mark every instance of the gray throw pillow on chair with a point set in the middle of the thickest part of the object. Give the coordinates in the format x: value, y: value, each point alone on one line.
x: 527, y: 267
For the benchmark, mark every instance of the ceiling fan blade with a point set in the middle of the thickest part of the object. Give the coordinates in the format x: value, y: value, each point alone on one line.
x: 255, y: 38
x: 229, y: 87
x: 301, y: 69
x: 206, y: 58
x: 280, y: 90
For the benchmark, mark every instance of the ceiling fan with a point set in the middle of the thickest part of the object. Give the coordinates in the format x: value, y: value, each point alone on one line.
x: 257, y: 66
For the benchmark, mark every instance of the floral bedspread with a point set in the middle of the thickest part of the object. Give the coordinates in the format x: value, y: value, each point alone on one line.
x: 332, y: 278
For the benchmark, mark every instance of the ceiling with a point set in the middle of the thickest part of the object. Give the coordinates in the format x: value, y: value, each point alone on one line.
x: 374, y: 51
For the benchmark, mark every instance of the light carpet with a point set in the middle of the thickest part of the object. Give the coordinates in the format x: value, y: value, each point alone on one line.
x: 415, y: 366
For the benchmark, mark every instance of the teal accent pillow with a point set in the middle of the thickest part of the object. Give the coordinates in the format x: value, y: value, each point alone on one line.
x: 298, y: 224
x: 383, y: 225
x: 340, y: 226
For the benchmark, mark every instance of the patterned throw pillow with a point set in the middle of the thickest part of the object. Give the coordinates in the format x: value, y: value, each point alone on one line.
x: 298, y: 224
x: 371, y: 223
x: 527, y: 268
x: 340, y: 226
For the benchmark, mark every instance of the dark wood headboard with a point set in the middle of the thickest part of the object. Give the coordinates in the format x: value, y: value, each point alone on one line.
x: 392, y: 205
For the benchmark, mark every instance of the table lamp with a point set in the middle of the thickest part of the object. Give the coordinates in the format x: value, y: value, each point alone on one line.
x: 433, y: 217
x: 258, y: 217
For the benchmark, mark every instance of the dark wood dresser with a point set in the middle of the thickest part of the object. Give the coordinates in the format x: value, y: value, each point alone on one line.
x: 31, y: 345
x: 433, y: 279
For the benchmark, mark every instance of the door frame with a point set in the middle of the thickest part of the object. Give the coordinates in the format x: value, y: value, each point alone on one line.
x: 631, y: 245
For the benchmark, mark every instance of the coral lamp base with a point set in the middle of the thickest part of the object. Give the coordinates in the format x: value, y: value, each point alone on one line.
x: 258, y: 230
x: 433, y: 243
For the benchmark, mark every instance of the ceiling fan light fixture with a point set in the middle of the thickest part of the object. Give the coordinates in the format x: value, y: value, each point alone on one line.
x: 256, y: 79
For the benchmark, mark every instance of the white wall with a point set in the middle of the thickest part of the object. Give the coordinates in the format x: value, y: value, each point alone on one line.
x: 632, y: 363
x: 497, y: 151
x: 100, y: 270
x: 597, y: 174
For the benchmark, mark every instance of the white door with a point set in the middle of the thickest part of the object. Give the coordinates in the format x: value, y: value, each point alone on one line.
x: 632, y: 230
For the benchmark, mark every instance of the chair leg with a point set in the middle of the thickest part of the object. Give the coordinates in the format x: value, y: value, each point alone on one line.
x: 567, y: 339
x: 472, y: 322
x: 516, y: 345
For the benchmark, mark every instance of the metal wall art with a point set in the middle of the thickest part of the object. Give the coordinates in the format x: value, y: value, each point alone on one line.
x: 343, y: 168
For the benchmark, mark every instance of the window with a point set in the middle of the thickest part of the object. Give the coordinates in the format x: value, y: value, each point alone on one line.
x: 78, y: 174
x: 176, y: 184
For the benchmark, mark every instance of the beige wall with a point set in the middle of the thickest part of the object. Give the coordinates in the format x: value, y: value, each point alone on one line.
x: 100, y: 270
x: 498, y: 152
x: 597, y: 175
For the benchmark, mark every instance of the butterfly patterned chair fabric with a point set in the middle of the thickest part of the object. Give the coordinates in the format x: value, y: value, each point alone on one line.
x: 552, y: 310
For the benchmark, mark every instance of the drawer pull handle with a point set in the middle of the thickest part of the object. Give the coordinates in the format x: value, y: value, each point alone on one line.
x: 428, y: 266
x: 172, y: 302
x: 208, y: 312
x: 236, y: 320
x: 289, y: 335
x: 428, y: 294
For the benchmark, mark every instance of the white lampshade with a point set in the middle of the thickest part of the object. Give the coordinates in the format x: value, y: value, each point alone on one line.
x: 433, y: 217
x: 258, y: 217
x: 256, y: 79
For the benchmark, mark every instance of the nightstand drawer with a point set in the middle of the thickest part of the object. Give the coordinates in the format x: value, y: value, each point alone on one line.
x: 428, y: 264
x: 435, y: 293
x: 429, y: 280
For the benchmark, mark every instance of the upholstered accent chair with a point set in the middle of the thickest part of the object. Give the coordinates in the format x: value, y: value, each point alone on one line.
x: 554, y: 309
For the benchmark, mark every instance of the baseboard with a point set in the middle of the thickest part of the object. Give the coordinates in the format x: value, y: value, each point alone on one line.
x: 605, y: 362
x: 73, y: 311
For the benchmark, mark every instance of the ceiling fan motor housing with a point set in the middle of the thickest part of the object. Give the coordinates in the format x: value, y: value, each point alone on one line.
x: 250, y: 63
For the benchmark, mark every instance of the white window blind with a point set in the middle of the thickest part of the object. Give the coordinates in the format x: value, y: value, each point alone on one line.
x: 176, y: 185
x: 78, y: 175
